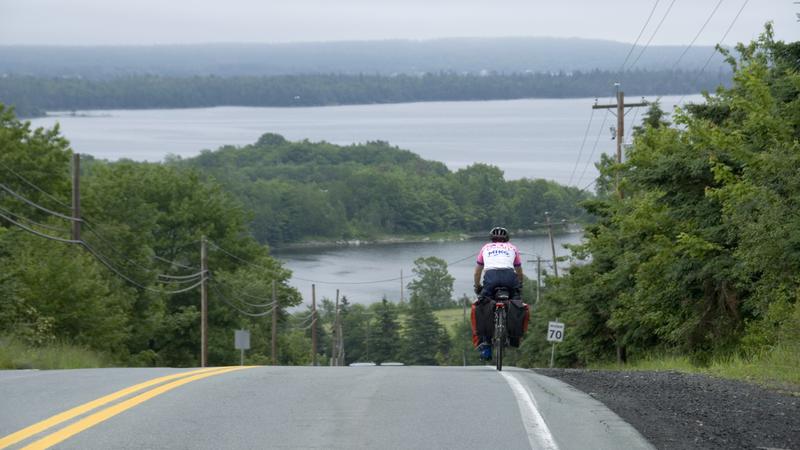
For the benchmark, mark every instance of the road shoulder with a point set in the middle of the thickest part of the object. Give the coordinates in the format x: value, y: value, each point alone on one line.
x: 689, y: 411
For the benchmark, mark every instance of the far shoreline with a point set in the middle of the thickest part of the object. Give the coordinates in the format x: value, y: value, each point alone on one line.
x: 311, y: 245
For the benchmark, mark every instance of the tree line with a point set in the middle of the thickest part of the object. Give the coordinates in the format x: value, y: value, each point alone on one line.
x: 300, y: 191
x: 695, y: 250
x: 35, y: 95
x: 127, y: 289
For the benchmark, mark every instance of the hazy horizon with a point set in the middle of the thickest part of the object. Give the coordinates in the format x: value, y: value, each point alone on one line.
x: 181, y: 22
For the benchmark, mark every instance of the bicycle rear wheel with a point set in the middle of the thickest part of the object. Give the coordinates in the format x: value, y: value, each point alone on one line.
x: 499, y: 337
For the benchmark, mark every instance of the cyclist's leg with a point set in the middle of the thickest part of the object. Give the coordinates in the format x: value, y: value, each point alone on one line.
x: 491, y: 280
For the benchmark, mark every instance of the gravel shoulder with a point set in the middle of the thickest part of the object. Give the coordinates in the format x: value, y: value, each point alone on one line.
x: 689, y: 411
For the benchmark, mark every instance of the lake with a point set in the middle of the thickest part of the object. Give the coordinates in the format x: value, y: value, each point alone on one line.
x: 536, y: 138
x: 367, y: 273
x: 533, y: 138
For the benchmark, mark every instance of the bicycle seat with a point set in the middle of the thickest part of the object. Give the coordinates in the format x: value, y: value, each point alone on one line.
x: 502, y: 294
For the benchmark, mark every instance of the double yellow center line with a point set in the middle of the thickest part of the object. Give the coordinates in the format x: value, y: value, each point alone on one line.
x: 105, y: 414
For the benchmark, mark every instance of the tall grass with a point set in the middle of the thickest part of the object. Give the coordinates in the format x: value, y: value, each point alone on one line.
x: 17, y: 355
x: 777, y: 367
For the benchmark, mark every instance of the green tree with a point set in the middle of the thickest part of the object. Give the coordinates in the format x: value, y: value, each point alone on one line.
x: 425, y: 341
x: 696, y: 257
x: 432, y: 283
x: 385, y: 335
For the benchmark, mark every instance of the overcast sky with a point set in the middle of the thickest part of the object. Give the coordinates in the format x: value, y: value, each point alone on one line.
x: 108, y: 22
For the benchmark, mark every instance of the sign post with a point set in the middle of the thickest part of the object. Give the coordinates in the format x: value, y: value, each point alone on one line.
x: 555, y: 333
x: 241, y: 341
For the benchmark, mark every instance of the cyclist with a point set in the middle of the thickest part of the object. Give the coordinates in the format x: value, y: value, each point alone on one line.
x: 501, y: 266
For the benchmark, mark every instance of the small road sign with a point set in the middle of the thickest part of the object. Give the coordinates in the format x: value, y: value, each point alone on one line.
x: 555, y: 331
x: 242, y: 340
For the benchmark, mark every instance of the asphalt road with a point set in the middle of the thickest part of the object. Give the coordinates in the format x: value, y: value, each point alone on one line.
x: 304, y: 407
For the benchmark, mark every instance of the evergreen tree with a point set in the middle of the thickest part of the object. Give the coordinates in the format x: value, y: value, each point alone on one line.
x: 385, y: 336
x: 425, y: 339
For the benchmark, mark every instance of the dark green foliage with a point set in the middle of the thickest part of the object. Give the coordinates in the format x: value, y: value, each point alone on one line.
x: 304, y: 191
x: 700, y: 254
x: 33, y: 95
x: 140, y: 215
x: 432, y: 283
x: 385, y: 337
x: 425, y: 341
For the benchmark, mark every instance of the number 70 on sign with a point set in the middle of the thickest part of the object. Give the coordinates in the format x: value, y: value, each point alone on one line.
x: 555, y: 332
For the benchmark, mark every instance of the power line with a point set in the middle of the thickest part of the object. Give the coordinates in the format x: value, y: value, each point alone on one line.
x: 241, y: 311
x: 97, y: 255
x: 36, y: 205
x: 653, y: 35
x: 43, y: 235
x: 589, y: 185
x: 131, y: 262
x: 100, y: 257
x: 90, y: 226
x: 29, y: 183
x: 34, y: 223
x: 647, y: 22
x: 714, y: 52
x: 175, y: 263
x: 594, y: 147
x: 270, y: 302
x: 699, y: 32
x: 580, y: 152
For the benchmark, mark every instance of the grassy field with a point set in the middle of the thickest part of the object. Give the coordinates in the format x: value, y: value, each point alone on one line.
x: 778, y: 368
x: 16, y: 355
x: 450, y: 317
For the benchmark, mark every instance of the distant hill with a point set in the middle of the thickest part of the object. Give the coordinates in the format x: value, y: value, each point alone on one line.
x: 461, y: 55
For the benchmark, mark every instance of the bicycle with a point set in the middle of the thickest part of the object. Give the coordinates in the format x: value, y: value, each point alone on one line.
x: 500, y: 335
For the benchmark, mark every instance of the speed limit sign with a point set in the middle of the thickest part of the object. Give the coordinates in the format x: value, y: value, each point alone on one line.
x: 555, y: 332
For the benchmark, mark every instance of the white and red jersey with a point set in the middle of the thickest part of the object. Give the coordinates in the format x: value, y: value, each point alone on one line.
x: 499, y: 255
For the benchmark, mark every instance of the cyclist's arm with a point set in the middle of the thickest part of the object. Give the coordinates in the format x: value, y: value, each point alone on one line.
x: 518, y: 269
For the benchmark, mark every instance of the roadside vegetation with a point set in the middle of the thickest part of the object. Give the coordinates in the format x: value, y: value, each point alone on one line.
x: 775, y: 368
x: 693, y: 247
x: 695, y: 251
x: 128, y: 288
x: 15, y: 354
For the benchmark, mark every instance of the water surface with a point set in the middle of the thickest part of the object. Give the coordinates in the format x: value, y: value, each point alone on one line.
x: 367, y: 273
x: 533, y: 138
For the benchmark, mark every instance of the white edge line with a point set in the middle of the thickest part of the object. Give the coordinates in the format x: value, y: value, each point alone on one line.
x: 539, y: 435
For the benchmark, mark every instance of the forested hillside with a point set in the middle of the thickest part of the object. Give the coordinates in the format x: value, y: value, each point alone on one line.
x: 35, y: 95
x: 385, y: 57
x: 302, y: 190
x: 128, y: 289
x: 698, y: 250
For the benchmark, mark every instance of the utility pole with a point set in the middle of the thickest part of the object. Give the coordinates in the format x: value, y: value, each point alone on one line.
x: 340, y: 356
x: 620, y: 107
x: 552, y: 244
x: 464, y: 359
x: 76, y: 197
x: 335, y: 332
x: 538, y: 262
x: 538, y: 277
x: 274, y: 323
x: 313, y: 325
x: 367, y: 343
x: 203, y: 303
x: 401, y: 286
